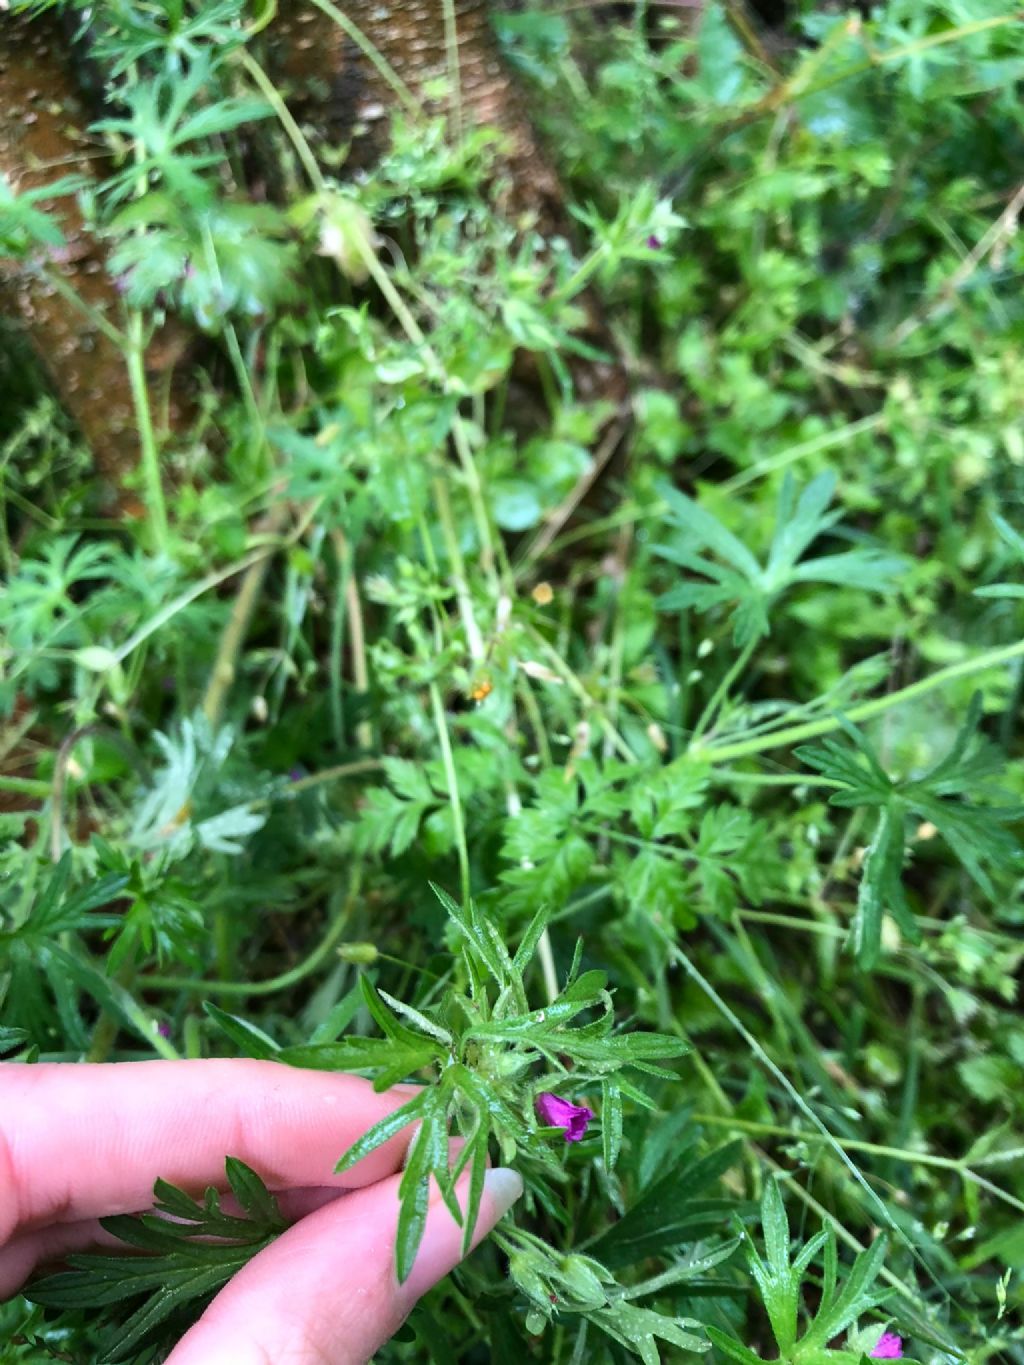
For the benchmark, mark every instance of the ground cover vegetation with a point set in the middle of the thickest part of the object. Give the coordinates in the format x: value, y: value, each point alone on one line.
x: 576, y: 658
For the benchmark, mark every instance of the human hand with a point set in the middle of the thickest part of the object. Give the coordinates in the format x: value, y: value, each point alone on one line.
x: 81, y: 1142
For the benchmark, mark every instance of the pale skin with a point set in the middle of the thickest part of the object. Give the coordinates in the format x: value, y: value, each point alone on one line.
x: 80, y: 1142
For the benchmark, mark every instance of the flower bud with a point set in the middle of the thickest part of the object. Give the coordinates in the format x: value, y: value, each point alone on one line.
x: 362, y: 953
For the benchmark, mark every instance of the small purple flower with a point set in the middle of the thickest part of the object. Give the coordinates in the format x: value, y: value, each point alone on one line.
x: 554, y: 1112
x: 654, y: 242
x: 164, y: 1029
x: 295, y: 774
x: 888, y: 1347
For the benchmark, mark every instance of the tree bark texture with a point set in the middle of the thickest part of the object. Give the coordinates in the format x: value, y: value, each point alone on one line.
x: 338, y: 92
x: 331, y: 85
x: 42, y: 139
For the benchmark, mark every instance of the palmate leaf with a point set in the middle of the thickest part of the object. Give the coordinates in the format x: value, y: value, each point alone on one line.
x: 23, y: 226
x: 179, y: 1275
x: 637, y: 1328
x: 947, y: 796
x: 752, y: 586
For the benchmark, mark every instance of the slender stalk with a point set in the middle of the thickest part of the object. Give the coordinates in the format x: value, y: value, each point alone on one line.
x: 134, y: 355
x: 108, y: 1026
x: 908, y: 1154
x: 436, y: 369
x: 474, y: 639
x: 804, y: 926
x: 292, y: 977
x: 54, y: 280
x: 205, y: 585
x: 451, y: 47
x: 24, y: 786
x: 320, y: 779
x: 547, y: 966
x: 774, y: 779
x: 348, y: 609
x: 222, y: 674
x: 793, y: 734
x: 721, y: 692
x: 384, y: 69
x: 451, y: 778
x: 734, y: 1021
x: 563, y: 670
x: 270, y: 93
x: 771, y: 463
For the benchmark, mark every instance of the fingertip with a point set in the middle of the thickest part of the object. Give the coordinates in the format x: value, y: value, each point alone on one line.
x: 504, y: 1186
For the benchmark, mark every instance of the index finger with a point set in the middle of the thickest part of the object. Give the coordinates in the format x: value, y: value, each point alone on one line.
x: 81, y: 1140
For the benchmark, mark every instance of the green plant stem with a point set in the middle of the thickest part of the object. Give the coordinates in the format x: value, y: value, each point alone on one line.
x: 451, y: 778
x: 907, y: 1154
x: 734, y: 1021
x: 793, y: 734
x: 575, y: 686
x: 134, y: 354
x: 632, y: 512
x: 222, y: 674
x: 903, y: 1290
x: 107, y: 1026
x: 372, y: 55
x: 804, y: 926
x: 588, y: 267
x: 721, y: 692
x: 273, y: 984
x: 474, y: 640
x: 205, y: 585
x: 24, y: 786
x: 348, y: 609
x: 359, y: 765
x: 774, y: 779
x: 437, y: 371
x: 792, y: 454
x: 54, y: 280
x: 270, y: 93
x: 451, y: 46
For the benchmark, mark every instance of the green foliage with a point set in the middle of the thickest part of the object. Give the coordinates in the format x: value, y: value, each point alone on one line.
x: 681, y: 678
x: 178, y: 1270
x: 753, y: 586
x: 25, y: 227
x: 483, y: 1045
x: 973, y: 832
x: 779, y: 1280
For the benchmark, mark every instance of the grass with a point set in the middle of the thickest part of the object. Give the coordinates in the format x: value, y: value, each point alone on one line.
x: 716, y: 673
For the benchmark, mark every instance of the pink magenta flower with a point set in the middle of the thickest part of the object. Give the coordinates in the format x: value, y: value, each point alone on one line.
x: 554, y: 1112
x: 888, y: 1347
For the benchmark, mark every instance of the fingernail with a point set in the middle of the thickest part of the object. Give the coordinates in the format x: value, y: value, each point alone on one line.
x: 504, y: 1186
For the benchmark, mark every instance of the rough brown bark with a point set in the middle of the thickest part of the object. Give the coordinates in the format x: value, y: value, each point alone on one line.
x: 42, y: 138
x: 338, y: 92
x: 335, y: 89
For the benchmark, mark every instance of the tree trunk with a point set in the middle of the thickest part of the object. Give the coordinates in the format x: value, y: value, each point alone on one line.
x: 342, y: 95
x: 340, y: 84
x: 42, y: 139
